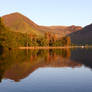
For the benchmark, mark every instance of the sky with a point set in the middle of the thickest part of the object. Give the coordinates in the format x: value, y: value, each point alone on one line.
x: 51, y: 12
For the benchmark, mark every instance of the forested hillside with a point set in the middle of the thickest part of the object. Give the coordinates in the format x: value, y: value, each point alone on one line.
x: 12, y: 39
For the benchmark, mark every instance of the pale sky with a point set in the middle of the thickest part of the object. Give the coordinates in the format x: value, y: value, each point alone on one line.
x: 51, y: 12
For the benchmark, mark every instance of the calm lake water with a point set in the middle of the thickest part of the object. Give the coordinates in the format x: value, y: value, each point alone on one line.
x: 66, y: 70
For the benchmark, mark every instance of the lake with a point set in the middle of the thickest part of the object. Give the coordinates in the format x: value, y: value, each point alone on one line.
x: 61, y: 70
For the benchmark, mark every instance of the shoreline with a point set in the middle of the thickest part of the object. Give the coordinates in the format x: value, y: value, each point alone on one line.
x: 63, y: 47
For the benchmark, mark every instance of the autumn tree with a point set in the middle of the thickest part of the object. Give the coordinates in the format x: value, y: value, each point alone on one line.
x: 68, y: 41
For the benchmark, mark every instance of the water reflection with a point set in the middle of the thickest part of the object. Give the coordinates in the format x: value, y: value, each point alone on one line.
x: 18, y: 64
x: 83, y: 56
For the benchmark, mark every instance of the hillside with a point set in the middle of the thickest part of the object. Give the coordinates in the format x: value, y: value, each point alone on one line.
x: 83, y: 36
x: 10, y: 38
x: 60, y: 31
x: 21, y: 23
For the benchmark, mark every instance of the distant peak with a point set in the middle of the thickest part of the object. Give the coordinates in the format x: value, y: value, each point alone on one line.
x: 15, y: 13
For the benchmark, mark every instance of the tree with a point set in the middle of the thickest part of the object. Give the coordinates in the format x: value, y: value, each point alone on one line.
x: 68, y: 41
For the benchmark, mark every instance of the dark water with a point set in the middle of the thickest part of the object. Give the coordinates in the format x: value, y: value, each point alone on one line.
x: 66, y: 70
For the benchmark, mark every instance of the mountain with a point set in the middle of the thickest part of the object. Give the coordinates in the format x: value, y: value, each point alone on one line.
x: 60, y: 31
x: 20, y: 23
x: 83, y: 36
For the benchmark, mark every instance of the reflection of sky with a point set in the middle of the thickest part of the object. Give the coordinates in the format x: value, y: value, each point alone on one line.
x: 52, y: 80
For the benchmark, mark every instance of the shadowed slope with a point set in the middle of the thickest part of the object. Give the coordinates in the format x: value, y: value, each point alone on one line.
x: 83, y: 36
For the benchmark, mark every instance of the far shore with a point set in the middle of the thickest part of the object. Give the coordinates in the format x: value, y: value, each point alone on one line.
x: 64, y: 47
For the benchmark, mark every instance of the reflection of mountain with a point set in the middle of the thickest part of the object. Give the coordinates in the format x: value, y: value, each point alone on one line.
x: 18, y: 72
x: 17, y: 66
x: 83, y: 56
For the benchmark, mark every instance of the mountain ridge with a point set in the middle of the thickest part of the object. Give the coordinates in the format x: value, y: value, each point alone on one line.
x: 20, y: 23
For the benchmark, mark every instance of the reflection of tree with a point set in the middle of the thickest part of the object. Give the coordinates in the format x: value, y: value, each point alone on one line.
x: 66, y: 53
x: 1, y: 50
x: 17, y: 64
x: 1, y: 74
